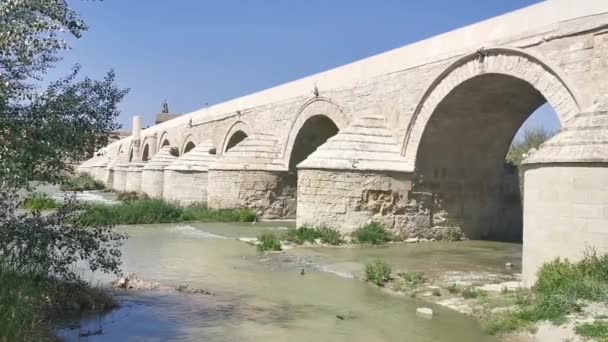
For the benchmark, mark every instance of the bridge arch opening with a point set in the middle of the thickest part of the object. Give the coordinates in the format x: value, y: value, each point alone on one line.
x: 460, y: 163
x: 314, y: 132
x: 145, y: 155
x: 236, y: 138
x: 164, y: 143
x: 188, y: 147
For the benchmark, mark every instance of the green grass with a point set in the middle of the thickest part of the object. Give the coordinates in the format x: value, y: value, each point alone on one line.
x: 159, y: 211
x: 453, y: 288
x: 452, y: 233
x: 28, y: 300
x: 373, y: 234
x: 413, y: 278
x: 268, y: 242
x: 129, y: 196
x: 81, y: 182
x: 597, y: 330
x: 40, y: 201
x: 311, y: 234
x: 561, y: 289
x: 471, y: 292
x: 378, y: 272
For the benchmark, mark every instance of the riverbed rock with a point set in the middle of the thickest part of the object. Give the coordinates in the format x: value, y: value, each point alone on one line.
x: 130, y: 281
x: 185, y: 288
x: 424, y: 312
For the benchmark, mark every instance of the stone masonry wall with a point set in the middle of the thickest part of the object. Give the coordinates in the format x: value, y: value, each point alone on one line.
x: 257, y: 190
x: 152, y: 183
x: 347, y: 200
x: 185, y: 187
x: 133, y: 180
x: 566, y: 212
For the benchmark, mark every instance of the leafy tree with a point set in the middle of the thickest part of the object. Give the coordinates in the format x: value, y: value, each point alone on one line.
x: 532, y: 138
x: 43, y: 131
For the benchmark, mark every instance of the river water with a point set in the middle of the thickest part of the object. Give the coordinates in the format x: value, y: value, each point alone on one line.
x: 264, y: 297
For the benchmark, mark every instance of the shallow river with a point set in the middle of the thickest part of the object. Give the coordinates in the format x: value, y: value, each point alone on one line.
x: 265, y: 298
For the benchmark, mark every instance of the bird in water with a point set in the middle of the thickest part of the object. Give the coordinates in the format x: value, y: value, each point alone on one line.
x: 302, y: 272
x: 255, y: 219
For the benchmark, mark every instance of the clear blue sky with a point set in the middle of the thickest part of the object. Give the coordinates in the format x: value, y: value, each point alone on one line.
x: 193, y: 52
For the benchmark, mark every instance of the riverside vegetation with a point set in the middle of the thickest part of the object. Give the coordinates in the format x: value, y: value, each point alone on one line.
x: 562, y: 291
x: 147, y: 211
x: 370, y: 234
x: 40, y: 201
x: 47, y: 126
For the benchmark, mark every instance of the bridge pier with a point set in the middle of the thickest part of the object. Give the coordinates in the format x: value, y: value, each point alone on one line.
x: 566, y: 194
x: 251, y: 175
x: 153, y: 174
x: 186, y: 179
x: 133, y: 182
x: 358, y: 177
x: 133, y: 178
x: 118, y: 173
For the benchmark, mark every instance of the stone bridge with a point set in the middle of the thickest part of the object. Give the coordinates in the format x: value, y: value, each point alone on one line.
x: 414, y: 138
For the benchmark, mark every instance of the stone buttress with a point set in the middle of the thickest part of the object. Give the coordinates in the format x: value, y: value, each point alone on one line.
x: 356, y: 177
x: 186, y: 177
x: 566, y: 193
x: 118, y: 172
x: 250, y: 175
x: 153, y: 174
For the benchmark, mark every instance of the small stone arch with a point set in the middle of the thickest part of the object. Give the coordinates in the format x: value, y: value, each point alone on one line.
x: 163, y: 141
x: 507, y: 61
x: 145, y: 149
x: 189, y: 144
x: 145, y: 152
x: 313, y: 107
x: 119, y: 150
x: 238, y: 128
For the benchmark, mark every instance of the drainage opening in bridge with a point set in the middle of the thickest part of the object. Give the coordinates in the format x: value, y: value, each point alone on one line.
x: 460, y: 163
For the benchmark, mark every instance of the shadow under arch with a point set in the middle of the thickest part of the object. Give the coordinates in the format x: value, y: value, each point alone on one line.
x: 461, y: 132
x: 188, y: 144
x: 539, y: 73
x: 313, y: 107
x: 235, y: 134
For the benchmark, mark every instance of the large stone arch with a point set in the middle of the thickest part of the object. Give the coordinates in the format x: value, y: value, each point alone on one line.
x: 316, y: 106
x: 522, y: 65
x: 237, y: 127
x: 188, y: 144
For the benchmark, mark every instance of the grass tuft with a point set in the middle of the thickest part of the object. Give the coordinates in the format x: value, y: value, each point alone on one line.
x: 378, y: 272
x: 413, y: 278
x: 268, y: 242
x: 311, y: 234
x: 471, y: 292
x: 40, y: 201
x: 373, y: 234
x: 597, y: 330
x: 561, y: 289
